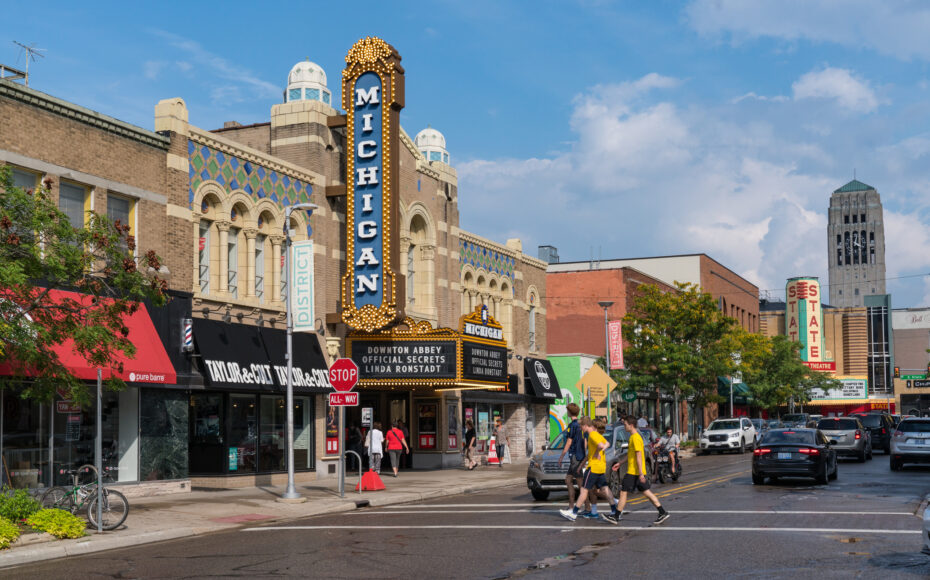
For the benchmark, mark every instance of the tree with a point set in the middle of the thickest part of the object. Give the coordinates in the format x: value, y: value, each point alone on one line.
x: 773, y: 370
x: 40, y: 251
x: 677, y: 342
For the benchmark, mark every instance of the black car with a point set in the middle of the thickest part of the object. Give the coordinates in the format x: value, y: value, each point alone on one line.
x: 881, y: 426
x: 794, y: 453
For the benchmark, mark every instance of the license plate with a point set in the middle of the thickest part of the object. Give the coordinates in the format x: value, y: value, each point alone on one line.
x: 784, y: 456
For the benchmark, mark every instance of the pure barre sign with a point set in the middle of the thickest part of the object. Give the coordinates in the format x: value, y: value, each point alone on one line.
x: 373, y: 87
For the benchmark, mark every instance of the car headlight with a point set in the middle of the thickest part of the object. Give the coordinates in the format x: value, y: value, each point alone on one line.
x: 734, y: 435
x: 534, y: 464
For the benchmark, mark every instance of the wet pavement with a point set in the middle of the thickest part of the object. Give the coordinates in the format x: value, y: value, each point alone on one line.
x: 864, y: 525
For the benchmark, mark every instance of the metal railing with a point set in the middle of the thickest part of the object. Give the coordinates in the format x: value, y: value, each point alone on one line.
x: 359, y: 458
x: 232, y: 286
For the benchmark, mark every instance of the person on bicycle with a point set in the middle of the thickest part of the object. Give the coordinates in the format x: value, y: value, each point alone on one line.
x: 670, y: 442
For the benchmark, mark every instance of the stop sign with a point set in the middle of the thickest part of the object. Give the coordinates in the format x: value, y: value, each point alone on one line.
x: 343, y: 374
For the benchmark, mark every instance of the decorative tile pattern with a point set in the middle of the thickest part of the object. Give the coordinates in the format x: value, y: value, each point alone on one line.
x: 481, y: 257
x: 233, y: 173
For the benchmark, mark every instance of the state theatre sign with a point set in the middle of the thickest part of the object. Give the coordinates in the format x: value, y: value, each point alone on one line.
x: 372, y: 96
x: 803, y: 321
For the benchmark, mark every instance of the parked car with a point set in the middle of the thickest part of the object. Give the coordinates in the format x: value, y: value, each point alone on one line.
x: 796, y: 419
x: 773, y: 424
x: 759, y: 425
x: 910, y: 443
x: 851, y: 436
x: 926, y: 549
x: 545, y: 474
x: 728, y: 435
x: 794, y: 452
x: 880, y: 426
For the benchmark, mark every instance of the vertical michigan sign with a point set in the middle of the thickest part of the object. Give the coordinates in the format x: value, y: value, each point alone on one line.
x: 372, y: 96
x: 803, y: 321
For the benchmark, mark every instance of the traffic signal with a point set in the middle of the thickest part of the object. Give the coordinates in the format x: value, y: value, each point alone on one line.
x: 897, y: 372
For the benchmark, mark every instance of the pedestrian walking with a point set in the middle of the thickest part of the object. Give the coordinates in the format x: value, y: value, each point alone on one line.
x: 501, y: 441
x: 595, y: 479
x: 642, y: 423
x: 373, y: 443
x: 635, y: 476
x: 395, y: 444
x: 468, y: 446
x: 575, y: 448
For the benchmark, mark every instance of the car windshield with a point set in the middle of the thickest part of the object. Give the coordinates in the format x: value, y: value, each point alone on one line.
x: 911, y: 426
x: 723, y: 425
x: 802, y: 437
x: 757, y: 423
x: 871, y: 421
x: 837, y: 424
x: 794, y: 418
x: 559, y: 441
x: 774, y: 424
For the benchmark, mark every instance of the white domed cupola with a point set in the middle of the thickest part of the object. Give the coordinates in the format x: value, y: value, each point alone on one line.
x: 307, y: 82
x: 432, y: 145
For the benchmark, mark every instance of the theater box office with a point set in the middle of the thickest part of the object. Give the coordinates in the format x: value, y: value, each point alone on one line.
x: 238, y: 421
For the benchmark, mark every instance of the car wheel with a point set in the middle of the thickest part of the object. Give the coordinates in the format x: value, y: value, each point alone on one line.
x: 540, y: 494
x: 758, y: 479
x: 870, y: 452
x: 823, y: 479
x: 742, y: 446
x: 836, y: 473
x: 895, y: 464
x: 862, y: 456
x: 888, y: 448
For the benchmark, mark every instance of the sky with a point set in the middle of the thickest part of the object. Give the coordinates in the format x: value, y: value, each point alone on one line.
x: 606, y: 129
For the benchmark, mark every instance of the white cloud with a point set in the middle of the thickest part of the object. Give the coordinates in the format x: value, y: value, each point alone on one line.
x: 754, y: 97
x: 152, y: 68
x: 893, y: 27
x: 837, y: 84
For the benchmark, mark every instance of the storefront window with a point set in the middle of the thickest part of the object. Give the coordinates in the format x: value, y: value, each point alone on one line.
x: 207, y: 447
x: 25, y: 441
x: 243, y: 434
x: 164, y: 431
x: 75, y: 433
x: 303, y: 433
x: 272, y: 442
x: 426, y: 426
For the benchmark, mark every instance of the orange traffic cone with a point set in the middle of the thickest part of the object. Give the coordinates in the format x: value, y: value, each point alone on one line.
x: 370, y: 482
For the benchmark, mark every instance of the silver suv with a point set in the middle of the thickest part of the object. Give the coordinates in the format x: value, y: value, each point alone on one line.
x: 851, y: 436
x: 910, y: 443
x: 545, y: 474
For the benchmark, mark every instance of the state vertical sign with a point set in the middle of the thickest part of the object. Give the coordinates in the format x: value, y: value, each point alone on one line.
x: 803, y: 317
x: 372, y: 96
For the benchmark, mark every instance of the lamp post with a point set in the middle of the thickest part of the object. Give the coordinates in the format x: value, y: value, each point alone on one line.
x: 291, y: 492
x: 605, y: 304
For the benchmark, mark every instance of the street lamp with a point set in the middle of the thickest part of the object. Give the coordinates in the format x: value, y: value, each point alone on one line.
x: 605, y: 304
x: 291, y: 492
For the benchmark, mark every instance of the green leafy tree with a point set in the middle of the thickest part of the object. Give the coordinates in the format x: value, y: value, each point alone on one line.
x: 677, y: 342
x: 773, y: 370
x: 41, y: 251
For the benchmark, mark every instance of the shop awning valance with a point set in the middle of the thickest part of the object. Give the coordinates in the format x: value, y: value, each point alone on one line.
x: 239, y: 356
x: 538, y: 373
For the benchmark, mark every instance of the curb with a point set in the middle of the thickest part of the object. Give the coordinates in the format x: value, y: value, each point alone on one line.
x: 87, y: 545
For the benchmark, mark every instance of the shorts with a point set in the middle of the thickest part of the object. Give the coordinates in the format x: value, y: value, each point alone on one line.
x: 574, y: 467
x: 632, y: 482
x: 594, y: 480
x: 395, y: 457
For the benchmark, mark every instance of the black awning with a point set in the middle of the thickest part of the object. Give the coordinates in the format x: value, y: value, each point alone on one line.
x: 538, y: 373
x: 237, y: 356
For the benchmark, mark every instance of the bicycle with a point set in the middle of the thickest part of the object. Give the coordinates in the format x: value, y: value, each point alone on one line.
x: 114, y: 507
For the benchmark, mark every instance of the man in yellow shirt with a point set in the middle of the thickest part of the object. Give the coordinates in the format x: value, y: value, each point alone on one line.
x: 595, y: 477
x: 635, y: 477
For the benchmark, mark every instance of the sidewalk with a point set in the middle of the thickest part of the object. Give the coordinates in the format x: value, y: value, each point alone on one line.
x: 166, y: 517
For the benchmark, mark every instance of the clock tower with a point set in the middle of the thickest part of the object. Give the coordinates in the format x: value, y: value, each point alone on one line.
x: 855, y: 244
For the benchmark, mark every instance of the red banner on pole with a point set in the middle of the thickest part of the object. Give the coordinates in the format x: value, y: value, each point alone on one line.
x: 615, y: 342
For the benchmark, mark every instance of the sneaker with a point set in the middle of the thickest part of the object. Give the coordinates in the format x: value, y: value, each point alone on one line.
x: 568, y: 515
x: 612, y: 518
x: 661, y: 518
x: 589, y: 515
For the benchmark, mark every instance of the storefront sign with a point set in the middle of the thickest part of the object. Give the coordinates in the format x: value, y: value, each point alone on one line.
x: 301, y: 286
x: 67, y: 407
x: 221, y: 371
x: 921, y: 384
x: 73, y: 428
x: 538, y: 374
x: 367, y: 413
x: 332, y: 432
x: 233, y: 458
x: 409, y: 358
x: 803, y: 322
x: 615, y: 340
x: 426, y: 425
x: 484, y: 363
x: 822, y: 366
x: 372, y: 96
x: 849, y: 389
x: 481, y: 331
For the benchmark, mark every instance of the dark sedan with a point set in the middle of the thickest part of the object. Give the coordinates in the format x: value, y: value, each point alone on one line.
x: 880, y: 426
x: 794, y: 453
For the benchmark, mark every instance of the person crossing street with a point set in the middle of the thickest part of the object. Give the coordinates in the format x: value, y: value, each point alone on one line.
x: 595, y: 478
x: 635, y: 476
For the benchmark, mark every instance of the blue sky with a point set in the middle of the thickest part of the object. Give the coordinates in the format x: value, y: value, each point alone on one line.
x: 624, y: 129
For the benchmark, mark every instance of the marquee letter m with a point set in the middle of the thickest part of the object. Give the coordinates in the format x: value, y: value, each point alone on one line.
x: 370, y: 96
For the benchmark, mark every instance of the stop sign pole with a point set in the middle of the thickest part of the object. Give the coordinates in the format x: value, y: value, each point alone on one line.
x: 343, y: 375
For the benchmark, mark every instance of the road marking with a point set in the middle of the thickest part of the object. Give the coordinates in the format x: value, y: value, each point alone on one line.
x: 792, y: 512
x: 547, y: 509
x: 377, y: 529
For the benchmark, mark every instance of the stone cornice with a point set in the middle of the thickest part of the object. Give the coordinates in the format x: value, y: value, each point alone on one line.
x: 83, y: 115
x: 519, y: 256
x: 225, y: 145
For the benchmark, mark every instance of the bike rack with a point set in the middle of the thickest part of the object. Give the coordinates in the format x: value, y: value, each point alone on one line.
x: 359, y: 469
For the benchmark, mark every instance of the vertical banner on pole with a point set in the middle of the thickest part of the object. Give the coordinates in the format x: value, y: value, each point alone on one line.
x: 300, y: 285
x: 615, y: 343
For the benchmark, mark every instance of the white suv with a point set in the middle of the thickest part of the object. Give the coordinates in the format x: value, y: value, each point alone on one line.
x: 728, y: 434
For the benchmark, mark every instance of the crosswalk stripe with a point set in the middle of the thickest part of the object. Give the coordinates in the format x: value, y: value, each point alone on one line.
x: 377, y: 529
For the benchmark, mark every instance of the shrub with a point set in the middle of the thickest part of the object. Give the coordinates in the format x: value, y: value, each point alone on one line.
x: 9, y: 532
x: 17, y: 505
x: 58, y: 523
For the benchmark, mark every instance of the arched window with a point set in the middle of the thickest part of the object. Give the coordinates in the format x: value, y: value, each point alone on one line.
x: 468, y: 289
x: 506, y: 312
x: 419, y: 262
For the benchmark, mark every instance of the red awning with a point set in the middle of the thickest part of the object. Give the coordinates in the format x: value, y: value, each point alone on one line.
x: 150, y: 365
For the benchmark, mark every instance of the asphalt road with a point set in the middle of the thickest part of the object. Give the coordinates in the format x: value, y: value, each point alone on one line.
x: 861, y: 526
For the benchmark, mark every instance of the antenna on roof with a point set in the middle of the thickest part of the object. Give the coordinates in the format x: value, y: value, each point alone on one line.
x: 854, y: 173
x: 31, y: 53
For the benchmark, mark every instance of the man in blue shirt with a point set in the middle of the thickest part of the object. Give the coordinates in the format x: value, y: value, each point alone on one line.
x: 575, y: 447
